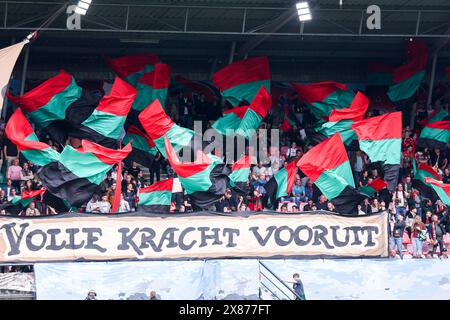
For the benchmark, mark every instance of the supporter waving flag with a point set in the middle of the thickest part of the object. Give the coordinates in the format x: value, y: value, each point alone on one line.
x: 419, y: 182
x: 442, y: 189
x: 77, y: 174
x: 133, y: 67
x: 406, y: 79
x: 381, y: 139
x: 240, y: 81
x: 56, y: 105
x: 151, y: 86
x: 199, y: 88
x: 436, y: 132
x: 204, y: 180
x: 373, y: 187
x: 323, y: 97
x: 340, y: 120
x: 144, y: 149
x: 20, y: 203
x: 280, y: 185
x: 327, y: 166
x: 240, y: 171
x: 104, y: 126
x: 156, y: 197
x: 20, y: 132
x: 379, y: 74
x: 158, y: 125
x: 245, y: 120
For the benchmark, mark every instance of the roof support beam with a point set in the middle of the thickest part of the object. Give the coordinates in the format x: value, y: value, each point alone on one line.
x: 275, y: 25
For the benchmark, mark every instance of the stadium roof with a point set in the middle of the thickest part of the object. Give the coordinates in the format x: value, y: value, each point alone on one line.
x: 190, y: 31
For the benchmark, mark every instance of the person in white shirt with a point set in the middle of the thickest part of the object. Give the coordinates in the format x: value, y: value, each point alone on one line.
x: 105, y: 206
x: 93, y: 205
x: 124, y: 206
x: 292, y: 151
x: 399, y: 201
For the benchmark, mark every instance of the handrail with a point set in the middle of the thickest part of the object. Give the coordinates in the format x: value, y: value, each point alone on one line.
x: 274, y: 285
x: 268, y: 289
x: 272, y: 273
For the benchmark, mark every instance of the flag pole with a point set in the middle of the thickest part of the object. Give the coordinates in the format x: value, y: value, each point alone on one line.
x: 118, y: 192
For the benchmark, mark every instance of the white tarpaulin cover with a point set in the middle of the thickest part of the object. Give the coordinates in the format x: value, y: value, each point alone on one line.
x: 226, y: 279
x: 192, y: 280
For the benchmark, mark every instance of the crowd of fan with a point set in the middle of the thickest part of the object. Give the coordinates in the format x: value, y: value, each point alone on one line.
x: 410, y: 213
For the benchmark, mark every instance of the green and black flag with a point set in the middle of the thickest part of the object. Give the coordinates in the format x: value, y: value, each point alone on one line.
x: 340, y: 120
x: 324, y: 97
x: 419, y: 182
x: 156, y: 197
x: 436, y: 131
x: 204, y: 180
x: 57, y: 105
x: 240, y: 81
x: 20, y: 203
x: 406, y: 79
x: 105, y: 124
x: 381, y: 139
x: 328, y: 167
x: 144, y: 149
x: 77, y: 174
x: 240, y: 172
x: 280, y: 185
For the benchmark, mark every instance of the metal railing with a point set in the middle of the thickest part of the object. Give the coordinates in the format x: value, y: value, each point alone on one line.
x: 276, y: 287
x: 241, y: 20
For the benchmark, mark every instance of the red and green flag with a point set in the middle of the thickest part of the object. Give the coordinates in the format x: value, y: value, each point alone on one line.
x: 381, y: 139
x: 199, y: 88
x: 20, y: 203
x: 151, y: 86
x: 104, y: 126
x: 379, y: 74
x: 323, y: 97
x: 156, y: 197
x: 436, y: 131
x: 56, y: 105
x: 204, y: 180
x: 442, y: 189
x: 77, y: 175
x: 340, y: 120
x: 328, y: 167
x: 240, y: 81
x: 133, y: 67
x: 288, y: 121
x: 373, y: 187
x: 158, y: 125
x: 240, y: 172
x: 406, y: 79
x: 419, y: 182
x: 280, y: 185
x: 20, y: 132
x: 245, y: 120
x: 144, y: 149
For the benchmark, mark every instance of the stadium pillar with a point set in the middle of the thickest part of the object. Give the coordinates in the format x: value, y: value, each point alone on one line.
x: 433, y: 74
x: 24, y: 70
x: 232, y: 49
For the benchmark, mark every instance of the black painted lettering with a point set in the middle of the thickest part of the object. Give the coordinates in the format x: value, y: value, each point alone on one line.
x: 181, y: 243
x: 320, y: 233
x: 92, y: 238
x: 231, y: 233
x: 204, y: 236
x: 14, y: 243
x: 53, y: 245
x: 262, y: 241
